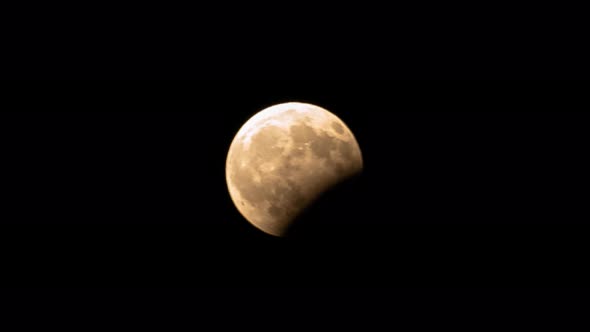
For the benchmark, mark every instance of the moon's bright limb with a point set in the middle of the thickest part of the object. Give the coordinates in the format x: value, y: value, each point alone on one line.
x: 283, y: 158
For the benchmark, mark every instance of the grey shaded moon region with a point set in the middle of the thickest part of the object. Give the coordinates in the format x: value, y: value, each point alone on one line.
x: 283, y: 158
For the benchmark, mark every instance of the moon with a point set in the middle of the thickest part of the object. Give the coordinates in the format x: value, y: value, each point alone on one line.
x: 283, y: 158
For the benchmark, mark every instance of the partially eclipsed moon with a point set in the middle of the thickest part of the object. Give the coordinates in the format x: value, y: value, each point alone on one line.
x: 283, y: 158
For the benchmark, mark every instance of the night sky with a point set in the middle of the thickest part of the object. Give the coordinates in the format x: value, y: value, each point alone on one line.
x: 471, y: 212
x: 121, y: 185
x: 124, y: 184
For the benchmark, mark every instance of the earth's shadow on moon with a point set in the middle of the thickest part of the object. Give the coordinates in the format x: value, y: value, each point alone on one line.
x: 336, y: 213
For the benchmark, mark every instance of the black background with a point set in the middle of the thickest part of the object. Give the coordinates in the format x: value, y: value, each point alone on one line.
x: 280, y: 41
x: 118, y: 189
x: 470, y: 212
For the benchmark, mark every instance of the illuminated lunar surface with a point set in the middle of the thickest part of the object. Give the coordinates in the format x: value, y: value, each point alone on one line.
x: 284, y: 158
